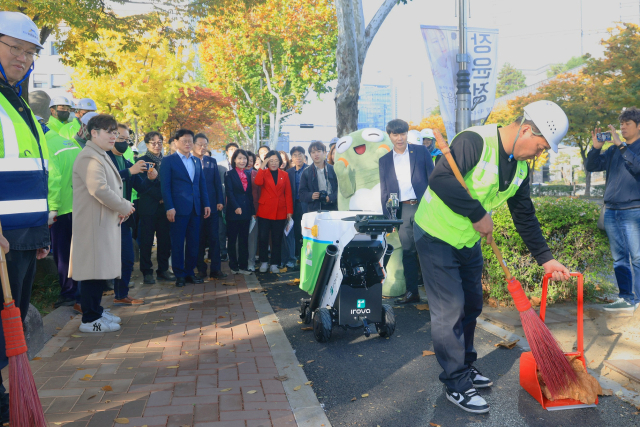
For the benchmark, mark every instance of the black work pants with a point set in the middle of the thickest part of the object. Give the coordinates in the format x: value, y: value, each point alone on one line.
x: 409, y: 254
x: 297, y: 226
x: 453, y: 283
x: 238, y: 234
x: 149, y: 226
x: 275, y: 227
x: 90, y: 299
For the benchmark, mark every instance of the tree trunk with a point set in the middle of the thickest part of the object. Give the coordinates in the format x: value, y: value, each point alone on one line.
x: 348, y: 70
x: 587, y: 175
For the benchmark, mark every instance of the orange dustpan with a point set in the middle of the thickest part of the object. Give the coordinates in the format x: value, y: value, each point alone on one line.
x: 529, y: 368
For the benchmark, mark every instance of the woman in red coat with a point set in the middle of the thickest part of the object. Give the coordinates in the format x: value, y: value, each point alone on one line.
x: 274, y: 209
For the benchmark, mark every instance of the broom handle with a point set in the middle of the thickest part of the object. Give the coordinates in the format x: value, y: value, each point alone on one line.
x: 4, y: 275
x: 442, y: 145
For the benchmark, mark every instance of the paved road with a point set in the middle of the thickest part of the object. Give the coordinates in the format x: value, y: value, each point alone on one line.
x: 403, y: 386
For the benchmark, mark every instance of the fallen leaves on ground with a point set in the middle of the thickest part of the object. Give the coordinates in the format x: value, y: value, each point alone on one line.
x: 422, y: 306
x: 252, y: 391
x: 36, y: 358
x: 492, y: 302
x: 281, y: 378
x: 86, y: 378
x: 63, y: 349
x: 308, y: 383
x: 225, y: 389
x: 307, y: 328
x: 121, y: 420
x: 420, y: 391
x: 173, y: 367
x: 607, y: 392
x: 91, y: 397
x: 107, y: 388
x: 364, y: 395
x: 354, y: 399
x: 434, y: 425
x: 310, y: 361
x: 427, y: 353
x: 296, y: 388
x: 507, y: 344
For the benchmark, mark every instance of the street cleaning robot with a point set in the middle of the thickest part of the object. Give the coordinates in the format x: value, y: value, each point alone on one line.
x: 343, y: 269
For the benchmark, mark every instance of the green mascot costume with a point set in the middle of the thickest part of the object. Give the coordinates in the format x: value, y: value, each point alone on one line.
x: 356, y: 166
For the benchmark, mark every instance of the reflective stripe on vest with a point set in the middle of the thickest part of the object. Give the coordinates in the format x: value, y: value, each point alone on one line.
x: 437, y: 219
x: 23, y: 180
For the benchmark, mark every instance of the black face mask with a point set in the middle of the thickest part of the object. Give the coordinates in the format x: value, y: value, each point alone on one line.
x: 122, y: 146
x: 63, y: 116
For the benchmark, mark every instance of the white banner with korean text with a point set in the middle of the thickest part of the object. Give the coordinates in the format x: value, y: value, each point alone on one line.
x: 482, y: 47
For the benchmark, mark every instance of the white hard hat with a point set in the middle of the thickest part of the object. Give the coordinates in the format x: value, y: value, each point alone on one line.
x: 21, y: 27
x: 550, y: 119
x: 414, y: 137
x: 427, y: 133
x: 60, y: 100
x: 85, y: 119
x: 86, y: 104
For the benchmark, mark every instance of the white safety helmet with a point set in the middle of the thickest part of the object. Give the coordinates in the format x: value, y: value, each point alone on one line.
x: 86, y: 104
x: 60, y: 100
x: 85, y: 119
x: 550, y: 119
x: 427, y: 133
x: 414, y: 137
x: 21, y: 27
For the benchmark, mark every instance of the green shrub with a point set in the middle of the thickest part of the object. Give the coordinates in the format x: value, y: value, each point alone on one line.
x: 569, y: 226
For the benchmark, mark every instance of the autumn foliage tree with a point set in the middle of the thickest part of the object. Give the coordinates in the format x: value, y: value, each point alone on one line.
x: 268, y: 56
x: 431, y: 122
x: 146, y: 85
x: 201, y: 110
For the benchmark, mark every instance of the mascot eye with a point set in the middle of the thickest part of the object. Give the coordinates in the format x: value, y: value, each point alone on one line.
x: 372, y: 135
x: 343, y: 144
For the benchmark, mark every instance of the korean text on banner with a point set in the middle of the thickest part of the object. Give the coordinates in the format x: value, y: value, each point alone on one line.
x: 442, y: 47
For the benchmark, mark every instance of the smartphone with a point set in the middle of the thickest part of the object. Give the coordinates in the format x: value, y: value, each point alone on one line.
x: 603, y: 136
x: 151, y: 165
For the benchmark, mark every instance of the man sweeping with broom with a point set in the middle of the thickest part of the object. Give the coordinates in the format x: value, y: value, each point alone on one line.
x: 23, y: 212
x: 450, y: 222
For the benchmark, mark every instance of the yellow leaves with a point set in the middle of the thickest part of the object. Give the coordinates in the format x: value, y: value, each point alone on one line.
x: 507, y: 344
x: 107, y: 388
x: 121, y: 420
x: 427, y: 353
x: 86, y: 378
x: 224, y: 390
x: 296, y: 388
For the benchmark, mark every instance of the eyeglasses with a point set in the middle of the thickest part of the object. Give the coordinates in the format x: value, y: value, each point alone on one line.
x: 113, y: 132
x: 17, y: 51
x: 154, y: 143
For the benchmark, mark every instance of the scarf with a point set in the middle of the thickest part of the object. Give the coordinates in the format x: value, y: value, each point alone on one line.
x: 155, y: 159
x: 243, y: 178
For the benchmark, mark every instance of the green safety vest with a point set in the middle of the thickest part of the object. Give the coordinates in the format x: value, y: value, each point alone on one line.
x: 437, y: 219
x: 70, y: 129
x: 55, y: 124
x: 63, y: 153
x: 23, y: 171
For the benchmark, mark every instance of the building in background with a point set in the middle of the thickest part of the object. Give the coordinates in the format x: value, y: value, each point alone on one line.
x: 49, y: 74
x: 374, y: 106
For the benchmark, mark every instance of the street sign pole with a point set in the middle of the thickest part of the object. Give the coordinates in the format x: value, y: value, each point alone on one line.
x: 463, y: 107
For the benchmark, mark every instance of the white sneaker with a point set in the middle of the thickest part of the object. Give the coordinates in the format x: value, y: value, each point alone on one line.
x: 245, y: 272
x: 470, y: 401
x: 251, y: 268
x: 264, y: 267
x: 107, y: 314
x: 100, y: 325
x: 275, y: 269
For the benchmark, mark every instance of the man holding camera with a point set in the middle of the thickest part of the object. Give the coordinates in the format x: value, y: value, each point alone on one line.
x: 622, y: 203
x: 318, y: 184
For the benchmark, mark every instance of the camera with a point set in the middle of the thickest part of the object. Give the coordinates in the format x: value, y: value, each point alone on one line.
x: 323, y: 196
x: 603, y: 136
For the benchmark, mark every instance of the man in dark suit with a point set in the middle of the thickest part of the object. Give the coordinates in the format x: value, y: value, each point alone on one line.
x: 185, y: 197
x: 209, y: 226
x: 317, y: 178
x: 295, y: 174
x: 405, y: 171
x: 153, y: 217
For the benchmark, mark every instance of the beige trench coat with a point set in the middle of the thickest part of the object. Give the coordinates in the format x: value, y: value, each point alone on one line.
x: 97, y: 201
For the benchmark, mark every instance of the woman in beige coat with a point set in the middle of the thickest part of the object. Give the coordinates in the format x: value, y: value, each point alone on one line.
x: 98, y: 210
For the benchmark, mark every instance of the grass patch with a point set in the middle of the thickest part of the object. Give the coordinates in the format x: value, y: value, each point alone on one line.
x: 45, y: 293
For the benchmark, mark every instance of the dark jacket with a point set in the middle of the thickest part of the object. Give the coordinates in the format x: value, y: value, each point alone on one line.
x: 214, y: 182
x: 149, y: 199
x: 139, y: 182
x: 421, y: 167
x: 623, y: 174
x: 178, y: 191
x: 292, y: 181
x: 309, y: 185
x: 238, y: 197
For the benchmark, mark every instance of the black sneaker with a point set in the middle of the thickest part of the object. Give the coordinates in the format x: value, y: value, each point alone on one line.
x: 166, y: 275
x: 479, y: 380
x: 470, y: 400
x: 149, y: 280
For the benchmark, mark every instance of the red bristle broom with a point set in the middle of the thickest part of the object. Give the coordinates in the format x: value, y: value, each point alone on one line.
x: 25, y: 409
x: 554, y: 367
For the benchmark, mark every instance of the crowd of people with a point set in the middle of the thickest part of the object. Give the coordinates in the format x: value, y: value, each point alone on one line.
x: 74, y: 184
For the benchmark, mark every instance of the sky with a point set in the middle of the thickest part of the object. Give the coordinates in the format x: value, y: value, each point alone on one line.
x: 532, y: 35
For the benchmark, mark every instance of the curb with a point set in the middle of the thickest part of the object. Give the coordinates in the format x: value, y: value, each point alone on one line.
x: 304, y: 404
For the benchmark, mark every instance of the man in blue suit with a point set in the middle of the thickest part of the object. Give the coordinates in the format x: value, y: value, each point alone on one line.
x: 184, y: 192
x: 209, y: 226
x: 405, y: 171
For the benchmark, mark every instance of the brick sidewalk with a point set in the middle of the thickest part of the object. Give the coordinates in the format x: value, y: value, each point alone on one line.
x: 192, y: 356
